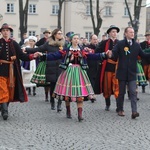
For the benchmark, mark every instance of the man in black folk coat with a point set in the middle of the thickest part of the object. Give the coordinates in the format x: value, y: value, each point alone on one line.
x: 127, y: 52
x: 11, y: 86
x: 107, y: 70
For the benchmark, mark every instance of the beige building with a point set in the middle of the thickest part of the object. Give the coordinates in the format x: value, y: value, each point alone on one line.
x: 75, y: 16
x: 148, y: 19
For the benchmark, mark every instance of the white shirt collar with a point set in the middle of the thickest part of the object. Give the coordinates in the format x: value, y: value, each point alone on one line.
x: 72, y: 49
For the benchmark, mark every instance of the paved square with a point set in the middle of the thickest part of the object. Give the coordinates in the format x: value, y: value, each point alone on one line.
x: 34, y: 126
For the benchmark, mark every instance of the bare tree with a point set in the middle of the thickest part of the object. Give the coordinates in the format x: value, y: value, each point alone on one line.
x: 95, y: 16
x: 59, y: 13
x: 23, y: 17
x: 96, y: 27
x: 134, y: 20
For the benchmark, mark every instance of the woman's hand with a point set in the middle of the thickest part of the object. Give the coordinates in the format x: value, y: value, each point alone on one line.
x: 24, y: 49
x: 37, y: 54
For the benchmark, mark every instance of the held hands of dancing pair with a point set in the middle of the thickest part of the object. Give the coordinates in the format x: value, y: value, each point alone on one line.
x: 35, y: 55
x: 108, y: 53
x: 39, y: 54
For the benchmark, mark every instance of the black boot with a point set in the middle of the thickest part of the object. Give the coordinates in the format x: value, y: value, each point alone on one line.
x: 137, y: 97
x: 80, y: 118
x: 128, y: 95
x: 68, y: 112
x: 29, y: 91
x: 59, y: 105
x: 143, y: 89
x: 117, y: 108
x: 52, y: 103
x: 4, y: 111
x: 34, y: 91
x: 107, y: 101
x: 46, y: 96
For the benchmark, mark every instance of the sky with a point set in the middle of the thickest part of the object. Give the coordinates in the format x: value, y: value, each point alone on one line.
x: 148, y: 2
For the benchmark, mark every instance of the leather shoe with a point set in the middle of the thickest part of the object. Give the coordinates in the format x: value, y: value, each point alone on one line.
x: 121, y: 113
x: 134, y: 115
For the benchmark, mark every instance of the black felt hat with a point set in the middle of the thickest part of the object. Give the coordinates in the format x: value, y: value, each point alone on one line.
x: 113, y: 27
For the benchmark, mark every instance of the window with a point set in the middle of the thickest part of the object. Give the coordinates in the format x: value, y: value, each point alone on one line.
x: 126, y: 13
x: 108, y: 11
x: 88, y: 35
x: 32, y: 33
x: 55, y: 9
x: 32, y: 8
x: 87, y: 10
x: 10, y: 7
x: 148, y: 15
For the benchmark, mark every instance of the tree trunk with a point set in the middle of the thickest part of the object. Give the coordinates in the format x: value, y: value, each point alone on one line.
x: 135, y: 20
x: 59, y: 13
x: 96, y: 29
x: 23, y: 17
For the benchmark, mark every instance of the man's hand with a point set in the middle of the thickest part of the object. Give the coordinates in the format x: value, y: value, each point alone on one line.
x: 109, y: 53
x: 37, y: 54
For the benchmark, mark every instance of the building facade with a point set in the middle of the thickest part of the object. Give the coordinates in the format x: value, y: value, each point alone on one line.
x: 42, y: 14
x: 148, y: 19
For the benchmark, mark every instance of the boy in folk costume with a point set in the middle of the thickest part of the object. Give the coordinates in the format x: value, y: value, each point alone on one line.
x: 11, y: 86
x: 108, y: 81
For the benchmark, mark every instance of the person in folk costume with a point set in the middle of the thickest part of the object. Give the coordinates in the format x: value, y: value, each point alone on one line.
x: 52, y: 72
x: 67, y: 38
x: 73, y: 83
x: 127, y: 52
x: 108, y: 82
x: 11, y: 86
x: 145, y: 62
x: 26, y: 64
x: 47, y: 34
x: 93, y: 65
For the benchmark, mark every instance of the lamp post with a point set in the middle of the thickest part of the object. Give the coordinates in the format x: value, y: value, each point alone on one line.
x: 135, y: 24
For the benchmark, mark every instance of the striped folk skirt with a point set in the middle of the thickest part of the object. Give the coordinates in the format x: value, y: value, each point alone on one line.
x: 141, y: 79
x: 39, y: 76
x: 73, y: 84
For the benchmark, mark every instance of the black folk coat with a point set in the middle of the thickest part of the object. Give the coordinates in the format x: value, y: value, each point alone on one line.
x: 8, y: 49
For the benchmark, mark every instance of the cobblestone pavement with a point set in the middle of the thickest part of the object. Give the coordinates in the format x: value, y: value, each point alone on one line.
x: 34, y: 126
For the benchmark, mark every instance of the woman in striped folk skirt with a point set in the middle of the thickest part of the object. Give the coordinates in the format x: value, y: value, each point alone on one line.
x: 141, y: 79
x: 39, y: 78
x: 73, y: 83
